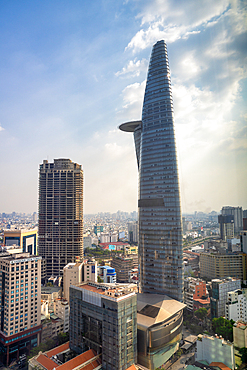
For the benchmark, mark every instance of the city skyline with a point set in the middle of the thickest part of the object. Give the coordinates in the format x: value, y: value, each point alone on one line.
x: 71, y: 73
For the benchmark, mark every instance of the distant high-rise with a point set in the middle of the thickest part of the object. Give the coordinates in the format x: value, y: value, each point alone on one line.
x: 237, y: 212
x: 160, y: 234
x: 60, y: 214
x: 226, y: 226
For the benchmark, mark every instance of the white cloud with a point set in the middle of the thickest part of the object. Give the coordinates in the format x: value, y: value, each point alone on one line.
x: 134, y: 68
x: 165, y: 20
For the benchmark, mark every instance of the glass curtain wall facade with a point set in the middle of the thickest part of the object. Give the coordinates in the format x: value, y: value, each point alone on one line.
x: 60, y: 214
x: 160, y: 234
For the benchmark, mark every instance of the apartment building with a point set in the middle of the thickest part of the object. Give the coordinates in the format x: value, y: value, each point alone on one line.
x: 20, y: 291
x: 193, y: 289
x: 236, y: 305
x: 62, y: 310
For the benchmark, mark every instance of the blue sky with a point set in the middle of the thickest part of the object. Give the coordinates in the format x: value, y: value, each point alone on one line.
x: 72, y: 71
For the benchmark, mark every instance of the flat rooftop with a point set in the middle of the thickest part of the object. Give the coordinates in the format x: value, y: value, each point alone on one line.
x: 111, y: 289
x: 18, y: 231
x: 50, y: 289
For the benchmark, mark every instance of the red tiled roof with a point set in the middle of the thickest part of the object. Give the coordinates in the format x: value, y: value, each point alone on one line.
x: 132, y: 367
x: 194, y: 253
x: 57, y: 350
x: 220, y: 365
x: 79, y: 360
x: 93, y: 365
x: 202, y: 301
x: 46, y: 362
x: 113, y: 243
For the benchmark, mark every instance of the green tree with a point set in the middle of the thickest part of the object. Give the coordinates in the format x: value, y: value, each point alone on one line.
x: 201, y: 314
x: 223, y: 327
x: 243, y: 352
x: 100, y: 280
x: 63, y: 338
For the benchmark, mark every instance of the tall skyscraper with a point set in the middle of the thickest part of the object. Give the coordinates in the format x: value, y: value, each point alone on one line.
x: 60, y: 214
x: 160, y: 234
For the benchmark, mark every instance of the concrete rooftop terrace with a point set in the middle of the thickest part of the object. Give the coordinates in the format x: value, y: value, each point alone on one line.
x: 109, y: 289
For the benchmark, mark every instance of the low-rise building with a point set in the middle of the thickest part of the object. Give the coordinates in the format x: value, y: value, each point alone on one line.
x: 134, y: 276
x: 212, y: 349
x: 194, y: 289
x: 57, y: 325
x: 62, y: 310
x: 201, y: 303
x: 53, y: 360
x: 159, y: 329
x: 240, y: 334
x: 107, y: 274
x: 49, y: 294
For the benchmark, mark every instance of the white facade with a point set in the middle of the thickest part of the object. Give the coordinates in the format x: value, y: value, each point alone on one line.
x: 114, y: 237
x: 87, y: 241
x: 104, y: 238
x: 236, y: 305
x: 90, y: 271
x: 72, y: 275
x: 61, y: 309
x: 215, y: 349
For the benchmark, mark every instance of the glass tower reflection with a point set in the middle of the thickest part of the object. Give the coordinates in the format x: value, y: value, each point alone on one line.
x: 160, y: 236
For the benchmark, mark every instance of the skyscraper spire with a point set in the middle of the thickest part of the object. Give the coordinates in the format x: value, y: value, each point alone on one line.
x: 160, y: 236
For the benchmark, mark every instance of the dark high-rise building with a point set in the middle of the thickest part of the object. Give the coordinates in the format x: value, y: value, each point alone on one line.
x: 226, y: 227
x: 237, y: 213
x: 60, y: 214
x: 160, y: 234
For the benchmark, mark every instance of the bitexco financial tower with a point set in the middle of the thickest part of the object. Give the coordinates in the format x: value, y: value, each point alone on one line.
x: 160, y: 236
